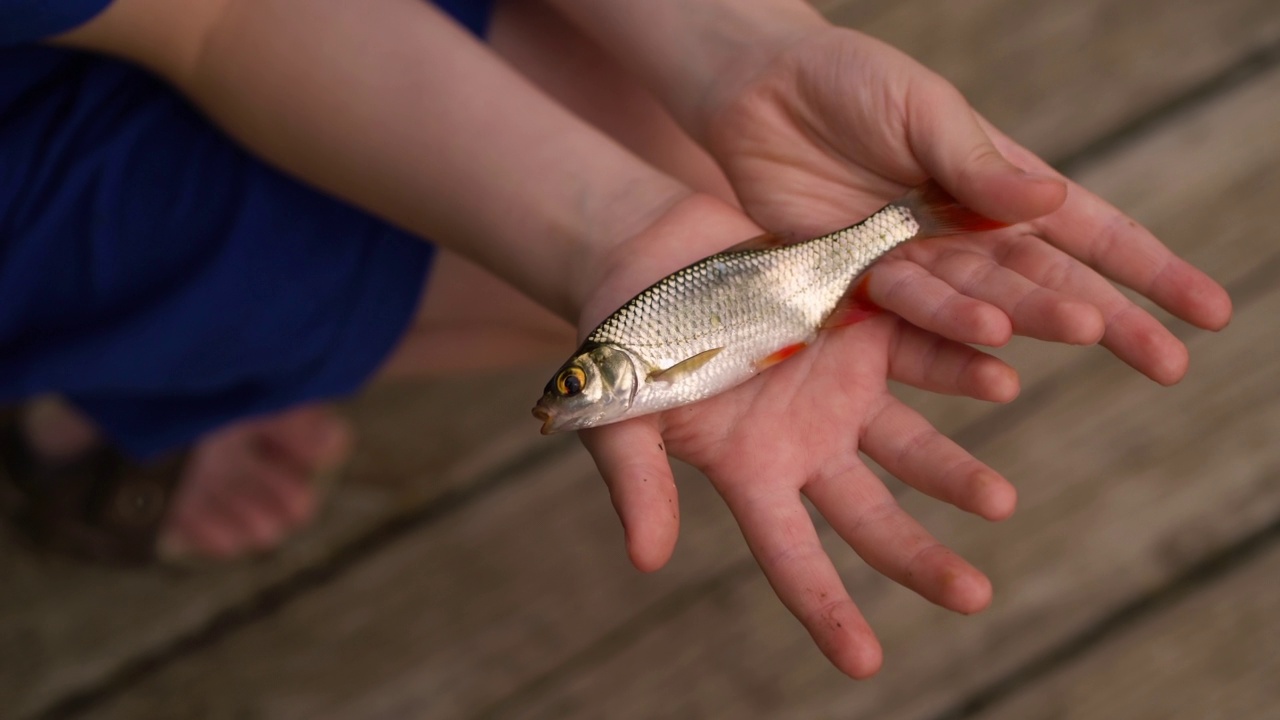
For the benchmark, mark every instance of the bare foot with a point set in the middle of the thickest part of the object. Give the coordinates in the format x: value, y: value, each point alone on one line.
x: 244, y: 488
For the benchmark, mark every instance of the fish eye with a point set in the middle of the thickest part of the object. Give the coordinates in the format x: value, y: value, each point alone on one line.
x: 570, y: 381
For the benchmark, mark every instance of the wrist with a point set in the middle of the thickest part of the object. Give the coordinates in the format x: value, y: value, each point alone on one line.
x: 756, y: 42
x: 691, y: 52
x: 602, y: 228
x: 690, y: 227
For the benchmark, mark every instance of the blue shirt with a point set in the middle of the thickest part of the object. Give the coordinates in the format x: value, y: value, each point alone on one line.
x: 156, y: 273
x: 24, y: 21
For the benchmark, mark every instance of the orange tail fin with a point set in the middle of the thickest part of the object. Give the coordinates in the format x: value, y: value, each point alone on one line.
x: 940, y: 214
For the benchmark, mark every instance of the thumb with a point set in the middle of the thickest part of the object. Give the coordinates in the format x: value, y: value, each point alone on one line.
x: 952, y: 147
x: 633, y: 461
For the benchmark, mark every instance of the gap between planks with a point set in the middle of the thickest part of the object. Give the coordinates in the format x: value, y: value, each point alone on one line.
x: 1197, y: 577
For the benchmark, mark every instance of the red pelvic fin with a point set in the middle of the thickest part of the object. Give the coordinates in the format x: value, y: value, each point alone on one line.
x: 854, y: 307
x: 767, y: 241
x: 940, y: 214
x: 778, y: 356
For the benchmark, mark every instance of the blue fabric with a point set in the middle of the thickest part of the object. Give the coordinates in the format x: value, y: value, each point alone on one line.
x: 30, y: 20
x: 471, y: 14
x: 162, y: 278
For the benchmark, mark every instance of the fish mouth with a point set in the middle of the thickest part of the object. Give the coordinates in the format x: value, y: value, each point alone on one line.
x: 545, y: 416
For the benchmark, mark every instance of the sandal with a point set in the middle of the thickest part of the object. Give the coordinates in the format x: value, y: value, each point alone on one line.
x: 98, y: 505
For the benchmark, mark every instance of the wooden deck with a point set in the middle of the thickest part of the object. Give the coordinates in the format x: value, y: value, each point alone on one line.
x: 470, y: 568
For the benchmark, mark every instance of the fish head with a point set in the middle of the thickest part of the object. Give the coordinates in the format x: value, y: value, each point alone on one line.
x: 596, y: 386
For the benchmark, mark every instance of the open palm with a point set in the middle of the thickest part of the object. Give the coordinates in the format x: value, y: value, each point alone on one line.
x: 796, y: 429
x: 820, y: 137
x: 840, y: 124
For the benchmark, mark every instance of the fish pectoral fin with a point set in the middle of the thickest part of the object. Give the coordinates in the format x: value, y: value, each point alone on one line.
x: 855, y: 306
x: 684, y: 367
x: 778, y: 356
x: 766, y: 241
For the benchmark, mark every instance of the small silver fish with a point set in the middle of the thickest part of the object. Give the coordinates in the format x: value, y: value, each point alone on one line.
x: 714, y: 324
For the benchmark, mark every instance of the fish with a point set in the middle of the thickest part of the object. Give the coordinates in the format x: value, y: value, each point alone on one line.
x: 720, y: 321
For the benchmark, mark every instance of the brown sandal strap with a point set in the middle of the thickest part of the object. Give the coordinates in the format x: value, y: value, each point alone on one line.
x: 98, y: 505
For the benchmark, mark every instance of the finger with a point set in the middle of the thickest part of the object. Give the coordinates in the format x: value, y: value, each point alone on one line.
x: 905, y: 444
x: 1097, y: 233
x: 1035, y: 311
x: 951, y: 145
x: 633, y: 461
x: 867, y: 517
x: 1120, y: 248
x: 911, y: 292
x: 924, y: 360
x: 1131, y: 333
x: 784, y: 542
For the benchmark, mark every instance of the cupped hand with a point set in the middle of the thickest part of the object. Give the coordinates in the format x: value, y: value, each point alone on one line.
x: 796, y: 430
x: 821, y: 136
x: 830, y: 129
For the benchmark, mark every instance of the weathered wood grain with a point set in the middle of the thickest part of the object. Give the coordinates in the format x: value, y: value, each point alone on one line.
x: 1215, y: 655
x: 1122, y: 487
x: 450, y: 618
x: 1114, y: 502
x: 1058, y: 76
x: 1205, y: 184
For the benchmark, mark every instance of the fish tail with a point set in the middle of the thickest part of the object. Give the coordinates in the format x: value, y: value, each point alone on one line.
x: 940, y: 214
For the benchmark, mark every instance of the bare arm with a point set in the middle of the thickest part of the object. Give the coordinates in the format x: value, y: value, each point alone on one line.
x: 390, y: 105
x: 694, y: 53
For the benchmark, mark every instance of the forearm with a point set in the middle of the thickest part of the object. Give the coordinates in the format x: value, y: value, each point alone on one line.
x: 391, y: 106
x: 691, y: 53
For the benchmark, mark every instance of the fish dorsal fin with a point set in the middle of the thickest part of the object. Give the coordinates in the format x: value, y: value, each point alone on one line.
x: 767, y: 241
x: 684, y: 367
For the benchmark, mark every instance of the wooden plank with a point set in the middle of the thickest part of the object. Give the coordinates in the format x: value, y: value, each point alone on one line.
x: 1058, y: 76
x: 1116, y: 498
x: 1208, y: 193
x: 65, y: 626
x: 450, y: 618
x: 676, y: 644
x: 1214, y: 654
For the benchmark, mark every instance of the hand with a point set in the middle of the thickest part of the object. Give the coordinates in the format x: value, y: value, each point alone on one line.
x: 834, y: 127
x: 796, y: 429
x: 806, y: 154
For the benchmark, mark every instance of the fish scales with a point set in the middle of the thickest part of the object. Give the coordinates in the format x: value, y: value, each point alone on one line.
x: 749, y: 302
x: 714, y: 324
